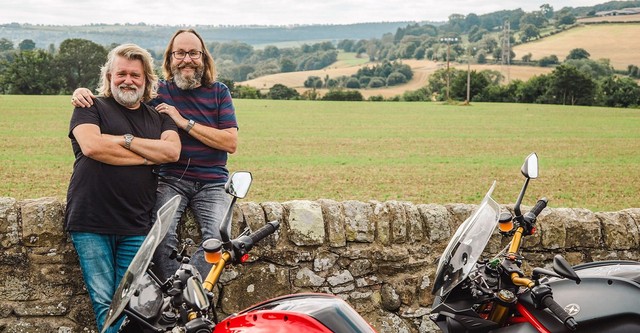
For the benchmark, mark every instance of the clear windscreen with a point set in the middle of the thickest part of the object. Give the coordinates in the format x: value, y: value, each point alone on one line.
x: 140, y: 262
x: 466, y: 245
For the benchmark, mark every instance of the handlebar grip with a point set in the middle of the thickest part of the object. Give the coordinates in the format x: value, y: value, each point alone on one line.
x: 557, y: 310
x: 540, y: 205
x: 264, y: 231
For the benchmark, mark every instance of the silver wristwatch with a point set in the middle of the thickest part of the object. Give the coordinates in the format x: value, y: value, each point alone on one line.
x: 189, y: 125
x: 127, y: 140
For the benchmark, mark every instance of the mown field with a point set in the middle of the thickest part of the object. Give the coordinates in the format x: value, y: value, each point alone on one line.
x: 418, y: 152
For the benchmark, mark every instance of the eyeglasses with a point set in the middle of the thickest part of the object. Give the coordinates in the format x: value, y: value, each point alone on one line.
x: 193, y: 54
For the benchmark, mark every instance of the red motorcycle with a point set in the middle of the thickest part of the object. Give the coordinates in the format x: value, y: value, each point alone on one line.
x: 184, y: 303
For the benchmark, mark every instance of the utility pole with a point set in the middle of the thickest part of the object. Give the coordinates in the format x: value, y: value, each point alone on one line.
x: 448, y: 40
x: 469, y: 74
x: 506, y: 47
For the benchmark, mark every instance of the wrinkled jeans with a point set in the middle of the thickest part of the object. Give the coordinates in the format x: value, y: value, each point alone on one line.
x: 207, y: 201
x: 104, y: 259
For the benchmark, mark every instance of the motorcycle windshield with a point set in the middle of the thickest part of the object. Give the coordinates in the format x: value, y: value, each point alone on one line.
x: 140, y: 262
x: 466, y: 245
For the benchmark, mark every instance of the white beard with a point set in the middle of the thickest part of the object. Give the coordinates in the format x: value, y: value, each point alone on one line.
x: 125, y: 97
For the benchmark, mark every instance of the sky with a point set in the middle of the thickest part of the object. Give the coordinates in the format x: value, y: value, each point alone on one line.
x: 255, y: 12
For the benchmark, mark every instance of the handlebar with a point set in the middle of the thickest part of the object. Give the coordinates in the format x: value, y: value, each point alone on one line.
x: 529, y: 219
x: 560, y: 313
x: 543, y: 298
x: 243, y: 244
x: 264, y: 231
x: 537, y: 209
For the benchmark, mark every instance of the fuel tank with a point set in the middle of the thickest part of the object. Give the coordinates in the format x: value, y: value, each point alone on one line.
x: 607, y: 299
x: 309, y: 312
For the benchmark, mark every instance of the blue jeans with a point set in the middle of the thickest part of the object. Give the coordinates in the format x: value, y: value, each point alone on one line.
x: 104, y: 259
x: 208, y: 202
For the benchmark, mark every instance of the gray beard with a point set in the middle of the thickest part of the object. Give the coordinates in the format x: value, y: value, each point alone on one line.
x: 127, y: 98
x: 187, y: 83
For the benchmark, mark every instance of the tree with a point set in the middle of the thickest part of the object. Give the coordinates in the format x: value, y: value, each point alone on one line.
x: 478, y: 82
x: 78, y: 62
x: 30, y: 74
x: 536, y: 19
x: 529, y: 32
x: 286, y: 65
x: 26, y: 45
x: 396, y: 78
x: 619, y: 92
x: 548, y: 61
x: 546, y: 10
x: 570, y: 86
x: 376, y: 82
x: 342, y: 95
x: 313, y: 82
x: 270, y: 52
x: 566, y: 19
x: 353, y: 83
x: 280, y: 91
x: 534, y: 90
x: 578, y: 53
x: 5, y: 45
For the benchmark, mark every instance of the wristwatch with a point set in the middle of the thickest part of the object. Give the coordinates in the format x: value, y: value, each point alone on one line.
x: 127, y: 140
x: 189, y: 125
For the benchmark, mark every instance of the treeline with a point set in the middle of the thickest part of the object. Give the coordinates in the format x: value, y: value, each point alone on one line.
x: 576, y: 81
x: 31, y: 71
x: 475, y: 38
x: 385, y: 74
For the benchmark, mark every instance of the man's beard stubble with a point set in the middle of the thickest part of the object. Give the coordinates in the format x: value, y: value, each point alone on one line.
x: 187, y: 82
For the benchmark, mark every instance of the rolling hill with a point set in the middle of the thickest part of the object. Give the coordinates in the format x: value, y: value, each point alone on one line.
x: 616, y: 42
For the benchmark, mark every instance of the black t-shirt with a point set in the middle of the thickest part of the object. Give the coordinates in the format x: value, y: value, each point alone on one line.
x: 108, y: 199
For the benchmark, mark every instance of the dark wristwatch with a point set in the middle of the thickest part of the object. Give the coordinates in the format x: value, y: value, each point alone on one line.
x: 127, y: 140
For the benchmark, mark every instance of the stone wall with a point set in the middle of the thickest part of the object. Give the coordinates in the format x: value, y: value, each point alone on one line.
x: 379, y: 256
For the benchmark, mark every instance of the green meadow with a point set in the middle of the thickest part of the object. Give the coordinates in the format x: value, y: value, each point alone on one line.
x: 418, y: 152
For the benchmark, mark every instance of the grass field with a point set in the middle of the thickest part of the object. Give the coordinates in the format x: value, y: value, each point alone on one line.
x: 419, y: 152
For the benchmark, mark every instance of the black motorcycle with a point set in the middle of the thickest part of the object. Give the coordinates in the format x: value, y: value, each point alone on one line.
x: 473, y: 295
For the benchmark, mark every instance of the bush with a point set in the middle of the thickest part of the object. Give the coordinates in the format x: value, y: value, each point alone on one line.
x: 343, y: 95
x: 352, y: 83
x: 420, y: 95
x: 280, y: 91
x: 376, y: 82
x: 396, y: 78
x: 246, y: 92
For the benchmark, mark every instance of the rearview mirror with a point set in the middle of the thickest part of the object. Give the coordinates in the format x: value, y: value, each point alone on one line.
x: 530, y: 166
x: 238, y: 184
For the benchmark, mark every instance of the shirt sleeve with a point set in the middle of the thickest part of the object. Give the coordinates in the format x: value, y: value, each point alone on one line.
x: 81, y: 116
x: 227, y: 115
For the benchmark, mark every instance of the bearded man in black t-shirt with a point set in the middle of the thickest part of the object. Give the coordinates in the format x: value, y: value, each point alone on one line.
x: 112, y: 190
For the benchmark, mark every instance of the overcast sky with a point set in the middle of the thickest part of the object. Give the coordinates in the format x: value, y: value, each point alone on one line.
x: 258, y: 12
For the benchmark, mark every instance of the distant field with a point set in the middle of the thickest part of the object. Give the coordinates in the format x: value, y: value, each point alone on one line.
x: 422, y: 69
x: 419, y: 152
x: 616, y: 42
x: 617, y: 18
